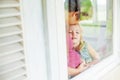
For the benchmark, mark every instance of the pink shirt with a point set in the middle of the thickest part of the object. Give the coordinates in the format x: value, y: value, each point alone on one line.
x: 73, y: 56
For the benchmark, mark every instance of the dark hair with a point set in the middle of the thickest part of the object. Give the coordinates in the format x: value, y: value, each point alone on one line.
x: 72, y: 5
x: 83, y: 7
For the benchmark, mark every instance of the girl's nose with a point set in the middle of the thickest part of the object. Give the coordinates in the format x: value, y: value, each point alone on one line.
x: 73, y: 34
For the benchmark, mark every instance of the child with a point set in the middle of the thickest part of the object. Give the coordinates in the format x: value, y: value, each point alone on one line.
x: 87, y: 53
x: 75, y: 62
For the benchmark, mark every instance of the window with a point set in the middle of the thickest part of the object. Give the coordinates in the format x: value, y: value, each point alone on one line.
x: 97, y: 36
x: 57, y: 45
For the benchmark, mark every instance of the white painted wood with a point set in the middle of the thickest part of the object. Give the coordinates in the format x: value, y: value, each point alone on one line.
x: 5, y: 22
x: 55, y: 39
x: 21, y: 78
x: 11, y: 67
x: 61, y: 39
x: 13, y: 75
x: 113, y: 74
x: 8, y: 3
x: 4, y: 32
x: 11, y: 58
x: 8, y: 12
x: 34, y: 41
x: 10, y: 40
x: 10, y: 49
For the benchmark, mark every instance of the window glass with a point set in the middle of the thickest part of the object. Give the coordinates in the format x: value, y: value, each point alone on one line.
x: 89, y: 29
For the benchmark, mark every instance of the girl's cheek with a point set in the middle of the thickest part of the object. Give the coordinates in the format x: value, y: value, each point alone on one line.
x: 71, y: 36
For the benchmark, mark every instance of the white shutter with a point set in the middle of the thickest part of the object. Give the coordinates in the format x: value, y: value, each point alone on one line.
x: 12, y: 58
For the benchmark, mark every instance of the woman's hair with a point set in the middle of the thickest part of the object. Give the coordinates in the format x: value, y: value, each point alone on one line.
x: 72, y: 5
x: 84, y: 7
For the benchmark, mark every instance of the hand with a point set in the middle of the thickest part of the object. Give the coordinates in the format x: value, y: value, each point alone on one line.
x: 83, y: 66
x: 93, y: 63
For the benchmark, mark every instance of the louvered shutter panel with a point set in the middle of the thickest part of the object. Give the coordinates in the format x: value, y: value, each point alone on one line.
x: 12, y: 58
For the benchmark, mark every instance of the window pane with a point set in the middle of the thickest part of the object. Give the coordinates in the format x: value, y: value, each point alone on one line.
x: 101, y: 10
x: 89, y: 29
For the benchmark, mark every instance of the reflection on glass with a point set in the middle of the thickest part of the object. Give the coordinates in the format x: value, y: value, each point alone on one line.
x: 89, y: 39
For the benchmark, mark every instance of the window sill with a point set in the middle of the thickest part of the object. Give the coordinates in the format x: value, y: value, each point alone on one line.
x: 97, y: 71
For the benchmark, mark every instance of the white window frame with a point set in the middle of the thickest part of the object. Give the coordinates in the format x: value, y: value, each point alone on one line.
x: 97, y: 71
x: 34, y: 40
x: 54, y: 24
x: 54, y: 20
x: 118, y: 27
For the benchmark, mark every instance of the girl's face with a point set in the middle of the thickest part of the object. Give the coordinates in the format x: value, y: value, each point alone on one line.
x: 75, y: 34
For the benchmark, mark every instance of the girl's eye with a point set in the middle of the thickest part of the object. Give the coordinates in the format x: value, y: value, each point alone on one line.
x: 70, y: 32
x: 77, y: 32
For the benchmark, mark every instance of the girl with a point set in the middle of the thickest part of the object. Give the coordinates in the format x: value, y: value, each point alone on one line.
x: 87, y: 53
x: 75, y: 63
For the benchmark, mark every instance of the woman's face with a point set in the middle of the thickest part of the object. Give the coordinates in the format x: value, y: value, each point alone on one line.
x: 73, y: 18
x: 75, y: 34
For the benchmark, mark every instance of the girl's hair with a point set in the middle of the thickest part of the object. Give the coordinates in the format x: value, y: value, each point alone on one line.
x: 81, y: 39
x: 79, y: 46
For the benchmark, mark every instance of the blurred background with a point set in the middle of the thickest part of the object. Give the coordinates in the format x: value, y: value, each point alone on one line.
x: 97, y: 30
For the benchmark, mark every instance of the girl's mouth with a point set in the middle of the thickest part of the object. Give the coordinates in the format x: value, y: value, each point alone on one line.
x: 74, y: 38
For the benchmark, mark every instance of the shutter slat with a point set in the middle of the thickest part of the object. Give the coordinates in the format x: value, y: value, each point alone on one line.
x: 9, y: 3
x: 8, y: 12
x: 10, y: 40
x: 10, y: 31
x: 5, y: 22
x: 11, y: 58
x: 21, y: 78
x: 11, y: 67
x: 12, y: 75
x: 9, y: 49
